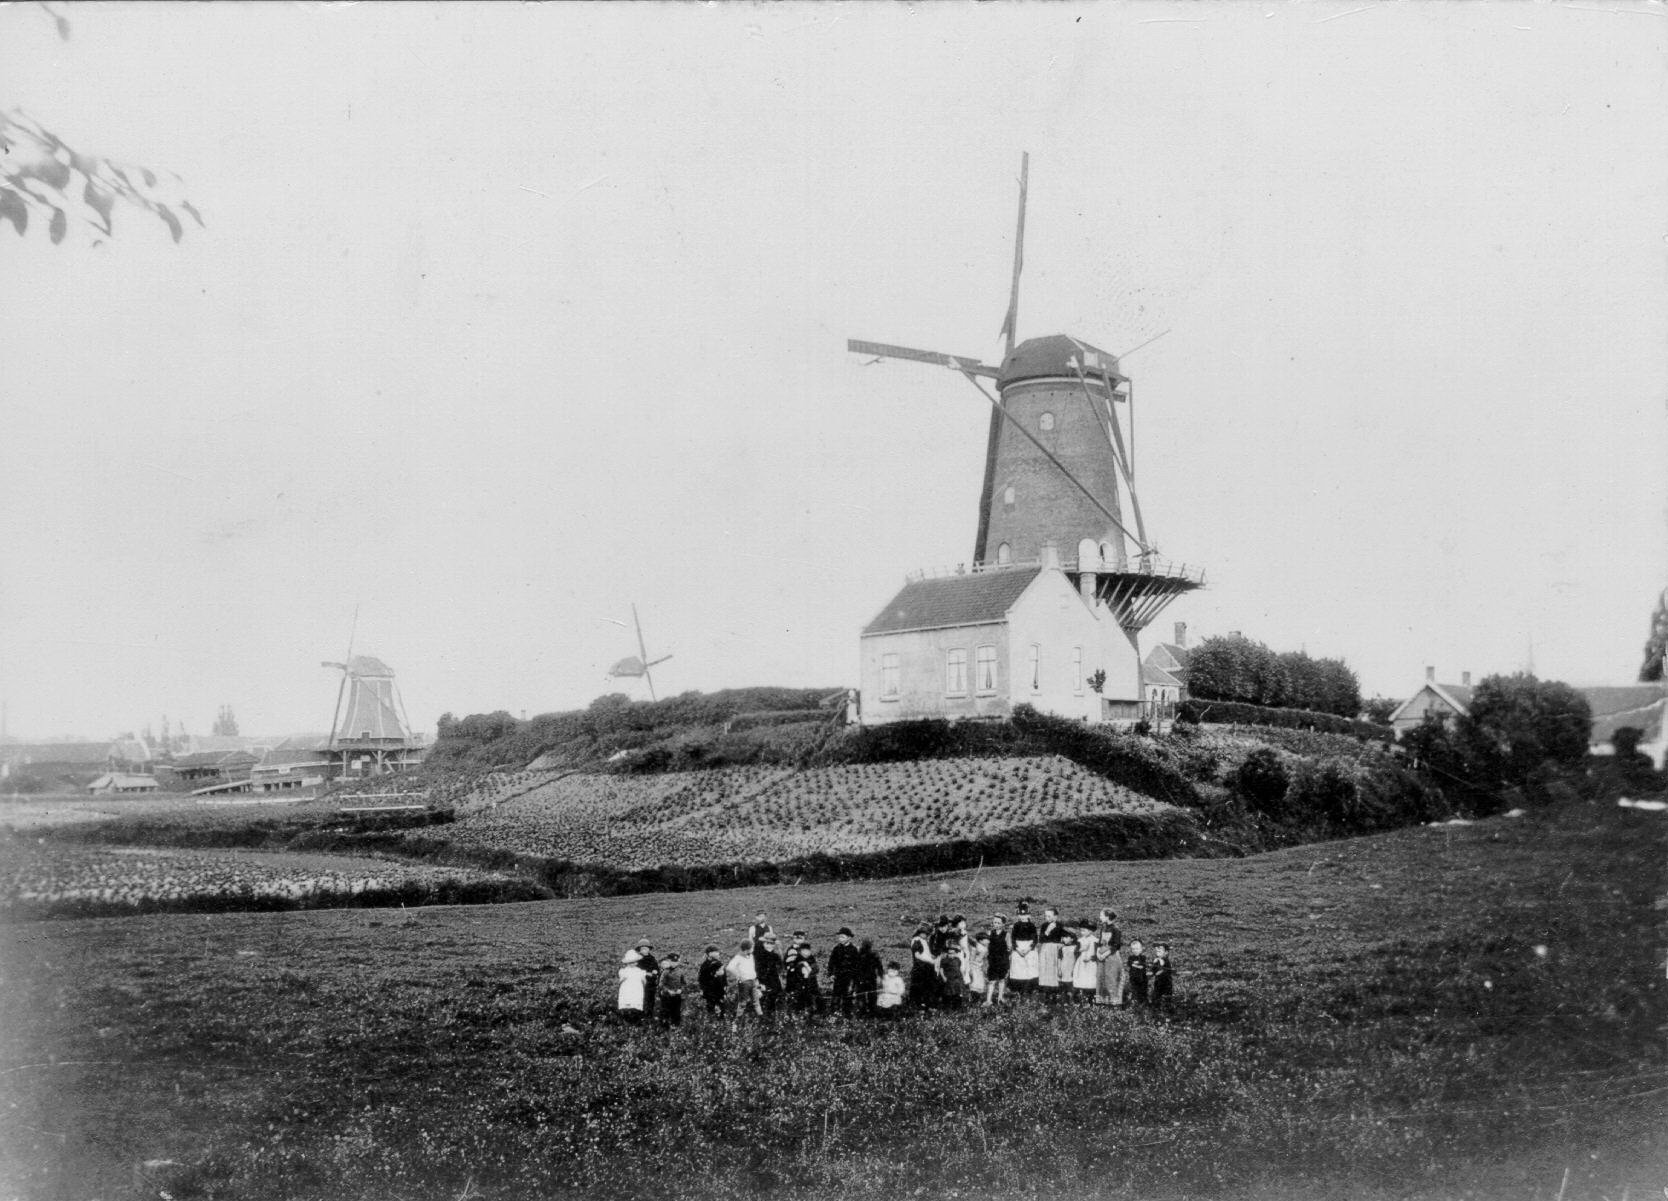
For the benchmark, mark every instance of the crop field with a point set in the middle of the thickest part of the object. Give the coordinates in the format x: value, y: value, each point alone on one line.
x: 749, y: 814
x: 1438, y: 1012
x: 41, y: 879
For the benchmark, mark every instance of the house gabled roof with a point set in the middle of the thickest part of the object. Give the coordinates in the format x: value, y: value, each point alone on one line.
x: 1456, y: 696
x: 978, y: 598
x: 1640, y: 706
x: 1158, y: 676
x: 1167, y: 656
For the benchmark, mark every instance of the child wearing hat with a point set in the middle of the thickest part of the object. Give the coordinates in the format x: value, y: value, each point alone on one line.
x: 844, y: 967
x: 709, y: 978
x: 631, y: 988
x: 671, y: 990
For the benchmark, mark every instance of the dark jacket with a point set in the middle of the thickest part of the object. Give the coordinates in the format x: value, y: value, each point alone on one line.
x: 769, y: 966
x: 844, y: 962
x: 1023, y: 930
x: 711, y: 979
x: 1052, y: 932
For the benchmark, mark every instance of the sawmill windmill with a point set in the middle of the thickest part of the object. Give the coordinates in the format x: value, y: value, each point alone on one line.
x: 1060, y: 463
x: 638, y: 666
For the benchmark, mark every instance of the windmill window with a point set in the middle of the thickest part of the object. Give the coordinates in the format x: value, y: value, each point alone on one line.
x: 1046, y: 421
x: 889, y: 677
x: 1004, y: 554
x: 984, y: 674
x: 955, y: 673
x: 1035, y: 661
x: 1008, y: 495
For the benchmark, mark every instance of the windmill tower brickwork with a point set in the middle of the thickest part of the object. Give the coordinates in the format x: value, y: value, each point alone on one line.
x: 1058, y: 497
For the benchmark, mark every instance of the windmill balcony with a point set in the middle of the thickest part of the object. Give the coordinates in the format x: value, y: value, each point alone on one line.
x: 1151, y: 565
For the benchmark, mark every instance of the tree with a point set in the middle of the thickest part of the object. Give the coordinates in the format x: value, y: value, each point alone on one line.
x: 225, y: 722
x: 1379, y: 709
x: 43, y: 175
x: 1656, y: 646
x: 1526, y: 722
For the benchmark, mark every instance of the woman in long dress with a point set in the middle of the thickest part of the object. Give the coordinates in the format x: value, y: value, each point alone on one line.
x: 1111, y: 982
x: 1085, y: 975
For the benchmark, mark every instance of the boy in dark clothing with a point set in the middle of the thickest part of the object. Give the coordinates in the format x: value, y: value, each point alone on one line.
x: 844, y: 966
x: 711, y: 980
x: 1136, y: 968
x: 869, y: 972
x: 768, y: 964
x: 651, y: 977
x: 802, y: 980
x: 1160, y: 977
x: 671, y: 991
x: 951, y: 987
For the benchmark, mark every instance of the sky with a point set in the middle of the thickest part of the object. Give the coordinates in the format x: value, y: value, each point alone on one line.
x: 509, y: 317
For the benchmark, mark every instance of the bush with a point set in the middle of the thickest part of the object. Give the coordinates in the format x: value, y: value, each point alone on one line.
x: 1326, y: 790
x: 1262, y: 781
x: 1222, y: 712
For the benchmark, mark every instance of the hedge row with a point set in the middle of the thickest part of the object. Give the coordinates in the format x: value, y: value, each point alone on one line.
x: 1237, y: 712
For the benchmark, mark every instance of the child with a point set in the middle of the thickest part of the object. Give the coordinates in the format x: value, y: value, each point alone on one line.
x: 1084, y: 974
x: 743, y: 975
x: 978, y: 967
x: 844, y: 966
x: 923, y: 970
x: 891, y: 991
x: 1022, y: 965
x: 631, y: 989
x: 1136, y: 968
x: 951, y: 983
x: 869, y: 973
x: 768, y: 966
x: 997, y: 962
x: 711, y: 980
x: 1050, y: 937
x: 806, y: 997
x: 671, y: 990
x: 1160, y: 982
x: 1068, y: 962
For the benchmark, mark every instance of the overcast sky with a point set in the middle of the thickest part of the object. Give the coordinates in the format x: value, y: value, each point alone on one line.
x: 509, y: 316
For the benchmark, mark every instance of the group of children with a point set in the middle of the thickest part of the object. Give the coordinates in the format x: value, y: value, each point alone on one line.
x: 1085, y: 961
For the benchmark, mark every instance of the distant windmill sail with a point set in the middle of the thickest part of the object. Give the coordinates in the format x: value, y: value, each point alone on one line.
x: 638, y: 666
x: 631, y: 668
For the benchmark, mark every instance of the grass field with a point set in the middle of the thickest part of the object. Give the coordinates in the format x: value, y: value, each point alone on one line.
x: 1437, y: 1012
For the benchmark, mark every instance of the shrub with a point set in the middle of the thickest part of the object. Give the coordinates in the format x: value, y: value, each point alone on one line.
x: 1222, y: 712
x: 1324, y: 789
x: 1262, y: 781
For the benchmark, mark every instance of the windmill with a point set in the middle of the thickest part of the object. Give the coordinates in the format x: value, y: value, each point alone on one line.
x: 372, y: 730
x: 639, y: 665
x: 1060, y: 463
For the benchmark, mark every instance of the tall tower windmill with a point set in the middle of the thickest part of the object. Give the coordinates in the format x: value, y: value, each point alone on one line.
x: 1060, y: 463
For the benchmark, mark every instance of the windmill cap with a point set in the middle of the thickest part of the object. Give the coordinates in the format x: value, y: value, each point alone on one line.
x: 1041, y: 358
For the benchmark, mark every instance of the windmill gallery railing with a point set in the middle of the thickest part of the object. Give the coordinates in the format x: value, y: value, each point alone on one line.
x: 1149, y: 565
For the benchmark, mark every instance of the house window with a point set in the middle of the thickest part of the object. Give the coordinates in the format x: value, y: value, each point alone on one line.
x: 889, y: 677
x: 1077, y: 670
x: 1034, y: 659
x: 955, y: 673
x: 1046, y: 421
x: 984, y: 671
x: 1004, y: 554
x: 1008, y: 495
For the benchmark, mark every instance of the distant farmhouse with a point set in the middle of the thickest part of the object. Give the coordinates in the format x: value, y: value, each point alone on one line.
x: 73, y: 764
x: 1447, y: 701
x: 1164, y: 673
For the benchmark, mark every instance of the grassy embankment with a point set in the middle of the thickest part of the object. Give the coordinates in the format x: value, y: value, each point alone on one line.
x: 1434, y: 1012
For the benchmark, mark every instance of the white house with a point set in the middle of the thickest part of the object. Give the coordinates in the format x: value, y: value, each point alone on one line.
x: 1448, y: 700
x: 977, y: 643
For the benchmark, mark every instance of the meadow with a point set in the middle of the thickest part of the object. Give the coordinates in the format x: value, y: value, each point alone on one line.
x: 1460, y: 1010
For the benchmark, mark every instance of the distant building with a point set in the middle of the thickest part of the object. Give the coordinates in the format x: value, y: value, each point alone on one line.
x: 1639, y: 706
x: 122, y: 783
x: 977, y: 643
x: 1164, y: 673
x: 1449, y: 701
x: 212, y: 767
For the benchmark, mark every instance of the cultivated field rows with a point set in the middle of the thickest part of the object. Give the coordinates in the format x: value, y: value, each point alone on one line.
x: 748, y: 814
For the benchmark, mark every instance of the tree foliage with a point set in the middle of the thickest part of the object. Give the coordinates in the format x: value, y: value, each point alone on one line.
x: 1236, y: 668
x: 1656, y: 646
x: 225, y: 722
x: 1526, y: 722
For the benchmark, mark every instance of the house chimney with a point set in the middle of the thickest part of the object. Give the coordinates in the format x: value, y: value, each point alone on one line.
x: 1430, y: 675
x: 1050, y: 556
x: 1181, y: 634
x: 1465, y: 679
